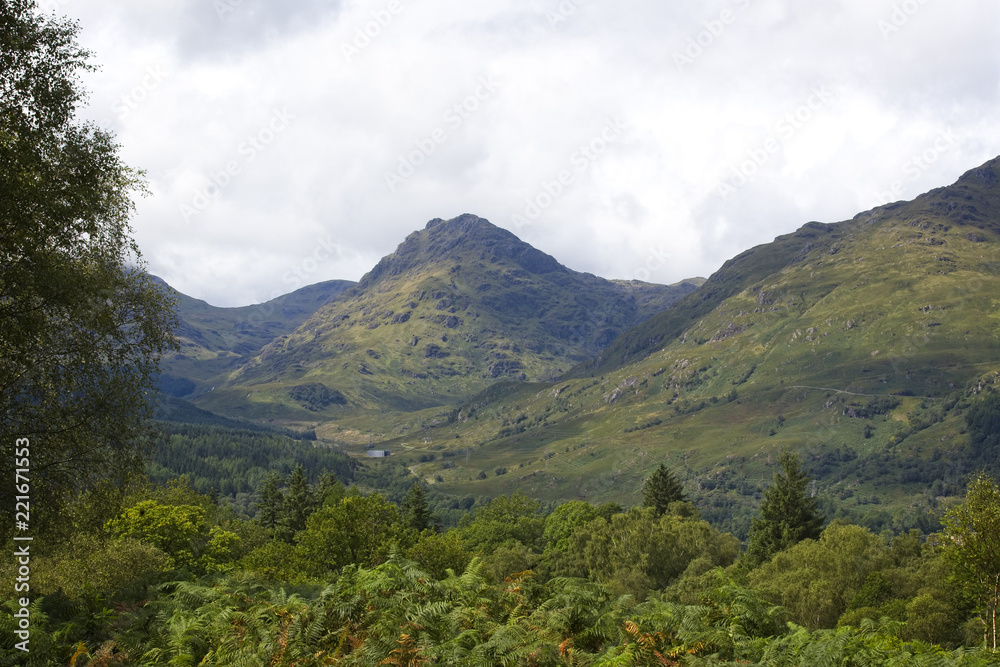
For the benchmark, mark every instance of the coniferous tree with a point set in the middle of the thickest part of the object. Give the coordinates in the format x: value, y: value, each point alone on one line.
x: 787, y: 514
x: 271, y: 505
x: 416, y: 513
x: 329, y: 490
x: 299, y: 503
x: 661, y: 489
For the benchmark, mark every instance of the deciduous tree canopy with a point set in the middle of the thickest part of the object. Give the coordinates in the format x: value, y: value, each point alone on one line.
x: 81, y: 325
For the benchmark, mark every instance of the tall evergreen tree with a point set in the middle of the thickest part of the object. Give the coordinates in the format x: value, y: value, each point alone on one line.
x: 271, y: 505
x: 787, y: 514
x: 299, y: 502
x: 661, y: 489
x: 416, y: 513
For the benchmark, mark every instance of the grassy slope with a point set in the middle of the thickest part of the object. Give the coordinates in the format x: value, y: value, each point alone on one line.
x: 898, y: 301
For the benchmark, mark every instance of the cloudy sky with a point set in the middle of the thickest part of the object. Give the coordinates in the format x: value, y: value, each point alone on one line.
x: 288, y: 143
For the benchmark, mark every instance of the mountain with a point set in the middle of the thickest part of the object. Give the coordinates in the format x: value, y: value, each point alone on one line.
x: 214, y: 340
x: 862, y: 345
x: 460, y: 305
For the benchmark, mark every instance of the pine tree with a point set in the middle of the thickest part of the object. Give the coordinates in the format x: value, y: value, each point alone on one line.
x: 661, y: 489
x: 299, y: 503
x: 787, y: 514
x: 416, y: 513
x: 271, y: 505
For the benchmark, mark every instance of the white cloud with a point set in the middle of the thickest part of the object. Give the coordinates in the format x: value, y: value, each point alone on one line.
x: 562, y: 70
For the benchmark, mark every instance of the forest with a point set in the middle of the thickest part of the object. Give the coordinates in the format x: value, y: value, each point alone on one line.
x: 326, y: 573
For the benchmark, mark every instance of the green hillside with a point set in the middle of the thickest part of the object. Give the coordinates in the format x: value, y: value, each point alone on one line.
x: 487, y: 367
x: 459, y: 306
x: 860, y: 344
x: 213, y: 340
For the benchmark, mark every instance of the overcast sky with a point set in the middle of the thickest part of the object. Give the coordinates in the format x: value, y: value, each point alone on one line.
x: 289, y: 143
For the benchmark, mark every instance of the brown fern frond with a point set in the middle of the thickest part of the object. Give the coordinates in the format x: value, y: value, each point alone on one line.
x: 81, y: 649
x: 407, y: 655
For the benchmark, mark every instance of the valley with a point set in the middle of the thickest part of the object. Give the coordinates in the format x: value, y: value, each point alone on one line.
x: 487, y: 367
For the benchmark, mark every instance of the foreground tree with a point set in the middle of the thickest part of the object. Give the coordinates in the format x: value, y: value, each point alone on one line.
x: 787, y: 514
x: 81, y: 325
x: 973, y: 529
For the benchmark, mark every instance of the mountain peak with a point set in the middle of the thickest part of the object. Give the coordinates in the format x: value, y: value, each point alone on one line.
x: 463, y: 223
x: 465, y: 238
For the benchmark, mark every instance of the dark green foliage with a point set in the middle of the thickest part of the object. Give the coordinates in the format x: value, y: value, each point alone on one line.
x: 983, y: 421
x: 416, y: 513
x: 662, y: 488
x: 649, y: 424
x: 564, y: 521
x: 395, y: 614
x: 82, y: 326
x: 875, y: 592
x: 342, y: 594
x: 788, y: 514
x: 270, y: 508
x: 329, y: 489
x: 638, y: 551
x: 607, y: 510
x: 436, y: 553
x: 299, y: 502
x: 235, y: 461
